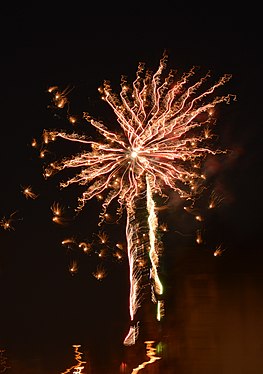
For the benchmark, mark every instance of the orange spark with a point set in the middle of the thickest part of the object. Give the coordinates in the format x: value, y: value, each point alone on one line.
x: 219, y: 250
x: 85, y: 247
x: 73, y: 267
x: 215, y: 200
x: 198, y: 239
x: 59, y: 214
x: 103, y: 237
x: 100, y: 273
x: 59, y: 97
x: 7, y: 223
x: 28, y: 193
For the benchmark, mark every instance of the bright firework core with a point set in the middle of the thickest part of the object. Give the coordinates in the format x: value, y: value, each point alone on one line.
x: 165, y: 126
x: 133, y: 154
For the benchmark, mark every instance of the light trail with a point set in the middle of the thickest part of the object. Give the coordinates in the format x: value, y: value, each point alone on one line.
x: 28, y: 193
x: 79, y: 367
x: 151, y: 353
x: 154, y: 248
x: 163, y: 137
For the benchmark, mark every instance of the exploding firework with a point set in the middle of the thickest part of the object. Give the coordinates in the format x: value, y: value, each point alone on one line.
x: 164, y: 131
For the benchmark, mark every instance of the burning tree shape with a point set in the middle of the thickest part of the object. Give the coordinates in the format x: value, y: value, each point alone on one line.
x: 164, y: 131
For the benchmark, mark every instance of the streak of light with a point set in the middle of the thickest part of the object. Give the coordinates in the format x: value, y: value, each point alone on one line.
x: 80, y: 366
x: 151, y: 353
x: 69, y: 243
x: 154, y: 251
x: 160, y: 310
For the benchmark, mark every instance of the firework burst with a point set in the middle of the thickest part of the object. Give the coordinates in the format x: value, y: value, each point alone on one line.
x: 164, y: 128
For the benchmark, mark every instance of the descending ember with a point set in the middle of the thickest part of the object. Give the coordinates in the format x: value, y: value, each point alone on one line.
x: 164, y: 129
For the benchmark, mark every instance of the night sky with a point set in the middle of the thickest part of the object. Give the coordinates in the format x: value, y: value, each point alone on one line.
x: 42, y: 304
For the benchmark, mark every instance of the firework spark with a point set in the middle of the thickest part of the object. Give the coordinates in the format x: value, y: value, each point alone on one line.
x: 215, y: 200
x: 164, y: 128
x: 59, y: 214
x: 100, y: 273
x: 73, y: 267
x: 219, y: 250
x: 7, y: 223
x: 28, y: 193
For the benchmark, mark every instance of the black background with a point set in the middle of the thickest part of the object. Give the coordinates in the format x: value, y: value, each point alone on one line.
x: 80, y: 45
